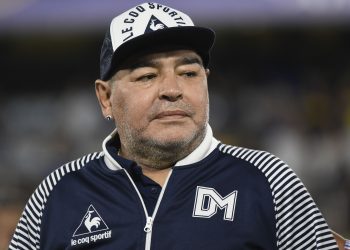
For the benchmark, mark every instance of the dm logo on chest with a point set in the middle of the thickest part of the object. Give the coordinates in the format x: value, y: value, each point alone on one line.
x: 208, y: 200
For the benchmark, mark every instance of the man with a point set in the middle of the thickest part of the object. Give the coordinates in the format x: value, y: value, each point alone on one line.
x: 162, y: 180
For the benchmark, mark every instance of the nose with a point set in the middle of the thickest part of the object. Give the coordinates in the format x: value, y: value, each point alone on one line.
x: 170, y: 89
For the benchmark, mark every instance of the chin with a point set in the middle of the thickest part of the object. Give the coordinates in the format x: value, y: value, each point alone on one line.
x: 173, y: 138
x: 174, y: 132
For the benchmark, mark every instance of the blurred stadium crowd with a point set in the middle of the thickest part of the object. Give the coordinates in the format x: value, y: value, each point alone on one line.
x: 281, y: 89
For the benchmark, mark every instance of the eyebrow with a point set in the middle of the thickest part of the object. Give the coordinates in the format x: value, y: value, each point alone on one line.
x: 189, y: 60
x: 143, y: 63
x: 153, y: 63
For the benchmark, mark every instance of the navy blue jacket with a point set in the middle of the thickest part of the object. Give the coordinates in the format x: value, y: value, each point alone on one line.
x: 219, y: 197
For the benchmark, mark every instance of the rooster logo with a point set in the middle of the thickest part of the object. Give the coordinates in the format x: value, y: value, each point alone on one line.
x: 154, y: 24
x: 94, y: 222
x: 91, y: 222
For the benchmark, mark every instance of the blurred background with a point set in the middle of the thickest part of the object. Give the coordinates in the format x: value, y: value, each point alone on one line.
x: 280, y: 82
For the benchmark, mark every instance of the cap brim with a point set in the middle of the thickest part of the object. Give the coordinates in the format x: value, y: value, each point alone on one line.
x: 199, y: 39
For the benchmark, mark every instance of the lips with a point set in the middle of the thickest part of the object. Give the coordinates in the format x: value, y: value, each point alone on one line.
x: 171, y: 114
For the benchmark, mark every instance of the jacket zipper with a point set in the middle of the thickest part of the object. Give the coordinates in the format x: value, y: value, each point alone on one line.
x: 149, y: 219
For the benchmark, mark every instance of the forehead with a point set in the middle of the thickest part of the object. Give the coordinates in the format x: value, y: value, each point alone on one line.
x: 178, y: 57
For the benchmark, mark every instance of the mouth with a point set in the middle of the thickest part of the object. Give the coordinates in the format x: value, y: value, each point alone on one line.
x: 171, y: 115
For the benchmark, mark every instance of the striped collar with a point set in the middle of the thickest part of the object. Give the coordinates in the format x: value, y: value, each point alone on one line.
x: 208, y: 144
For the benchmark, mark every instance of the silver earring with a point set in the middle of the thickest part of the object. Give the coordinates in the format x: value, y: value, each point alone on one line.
x: 108, y: 117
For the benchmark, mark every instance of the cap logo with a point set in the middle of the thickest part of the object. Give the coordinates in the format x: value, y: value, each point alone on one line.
x: 154, y: 24
x: 145, y: 18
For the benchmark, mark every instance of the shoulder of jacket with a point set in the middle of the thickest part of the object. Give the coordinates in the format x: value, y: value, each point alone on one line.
x: 266, y: 162
x: 294, y: 207
x: 280, y: 176
x: 47, y: 185
x: 29, y: 225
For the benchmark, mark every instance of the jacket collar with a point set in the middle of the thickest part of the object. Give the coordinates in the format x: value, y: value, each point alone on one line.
x: 208, y: 144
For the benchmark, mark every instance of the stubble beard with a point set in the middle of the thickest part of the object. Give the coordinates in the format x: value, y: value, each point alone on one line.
x: 159, y: 154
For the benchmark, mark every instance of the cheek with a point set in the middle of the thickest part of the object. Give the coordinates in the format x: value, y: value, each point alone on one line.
x: 120, y: 106
x: 129, y: 107
x: 201, y: 99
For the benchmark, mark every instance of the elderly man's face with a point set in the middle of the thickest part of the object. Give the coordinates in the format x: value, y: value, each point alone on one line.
x: 161, y: 98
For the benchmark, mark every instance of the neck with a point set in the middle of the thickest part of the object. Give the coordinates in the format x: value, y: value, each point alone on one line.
x: 156, y: 154
x: 156, y: 160
x: 157, y: 174
x: 157, y: 157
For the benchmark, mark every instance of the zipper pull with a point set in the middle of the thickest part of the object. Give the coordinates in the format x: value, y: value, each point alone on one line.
x: 148, y: 226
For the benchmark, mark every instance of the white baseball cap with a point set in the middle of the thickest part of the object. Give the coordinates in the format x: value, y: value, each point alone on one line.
x: 147, y: 27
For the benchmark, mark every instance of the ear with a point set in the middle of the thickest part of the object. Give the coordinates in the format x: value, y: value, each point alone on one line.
x: 207, y: 72
x: 103, y: 93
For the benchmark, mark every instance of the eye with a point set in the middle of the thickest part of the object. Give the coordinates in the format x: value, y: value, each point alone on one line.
x: 190, y: 74
x: 145, y: 78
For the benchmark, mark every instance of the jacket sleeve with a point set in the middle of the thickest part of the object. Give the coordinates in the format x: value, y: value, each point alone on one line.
x: 299, y: 223
x: 28, y: 231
